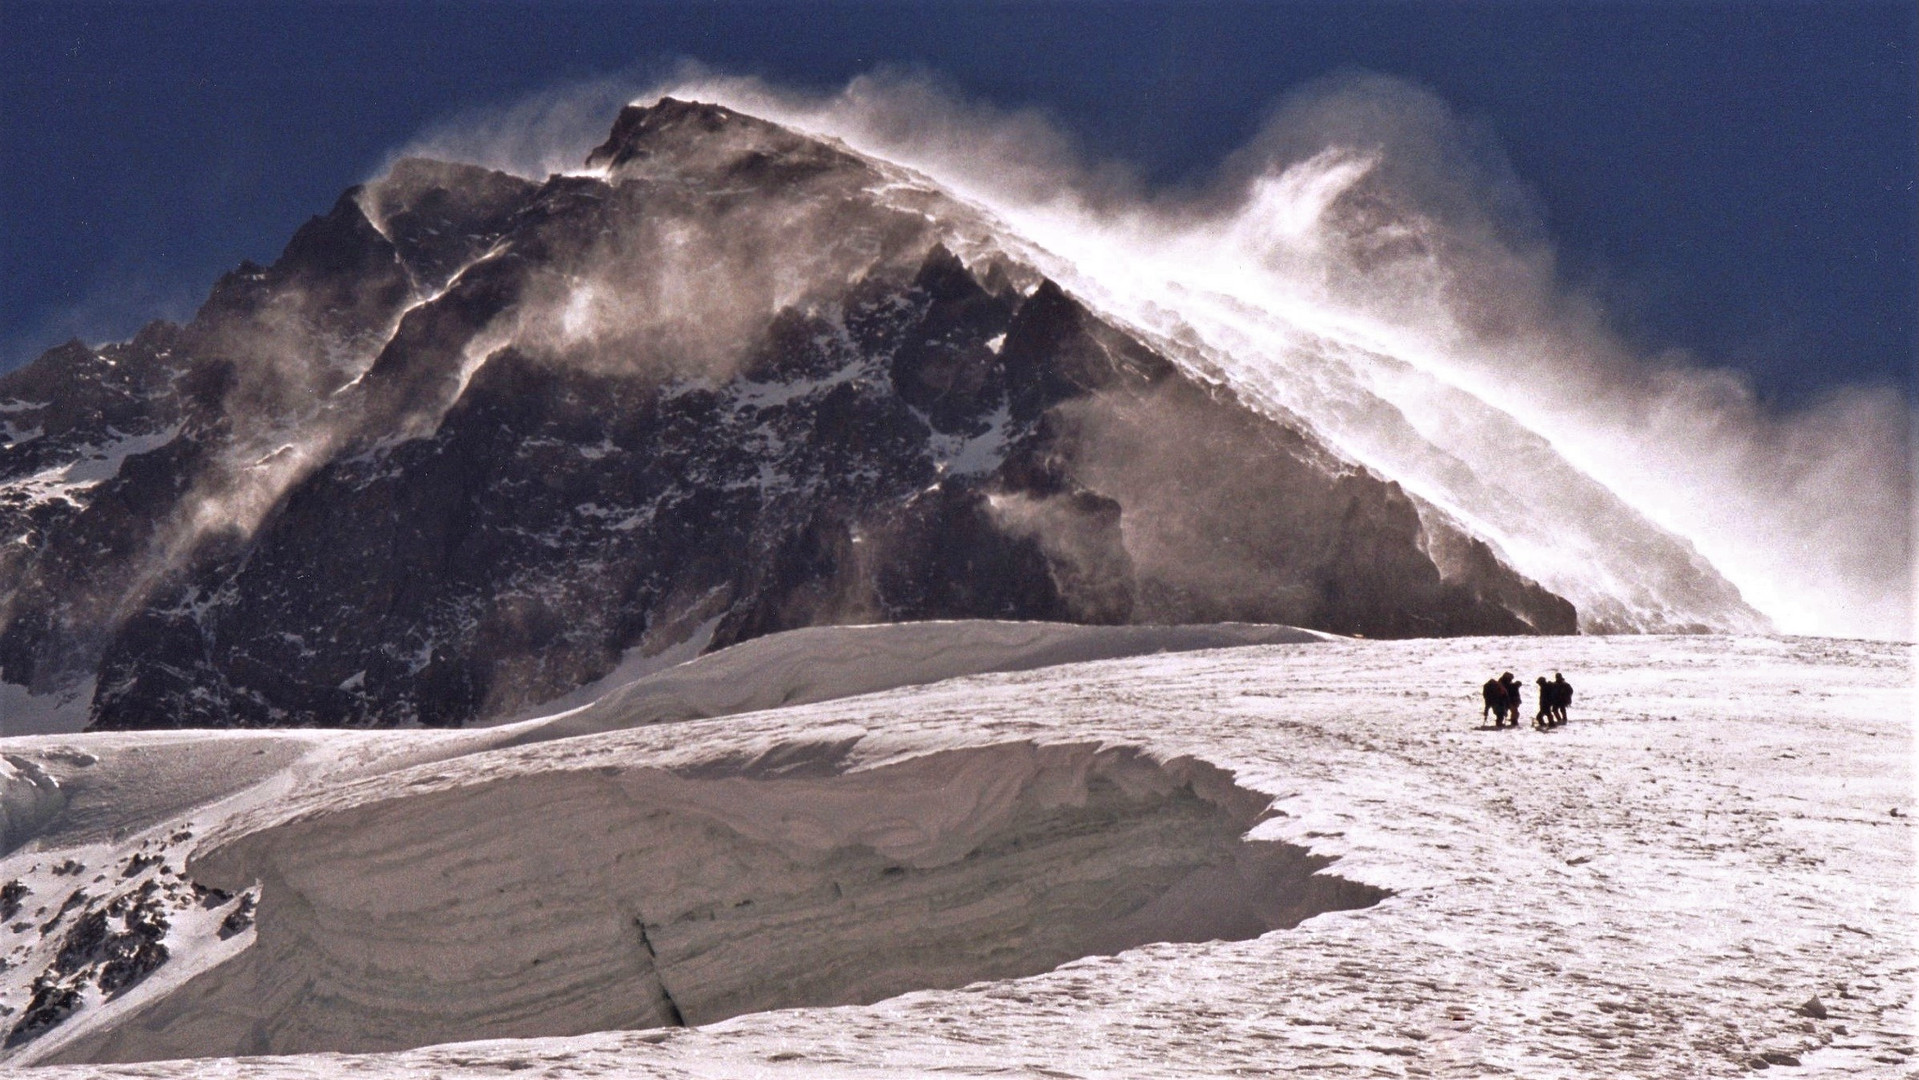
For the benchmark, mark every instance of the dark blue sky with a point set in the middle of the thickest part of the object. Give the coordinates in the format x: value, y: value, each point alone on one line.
x: 1735, y: 179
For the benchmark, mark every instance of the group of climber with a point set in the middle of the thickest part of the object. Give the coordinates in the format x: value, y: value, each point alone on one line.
x: 1503, y: 699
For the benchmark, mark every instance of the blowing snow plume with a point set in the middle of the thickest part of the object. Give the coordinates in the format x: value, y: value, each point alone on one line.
x: 477, y: 438
x: 1370, y: 265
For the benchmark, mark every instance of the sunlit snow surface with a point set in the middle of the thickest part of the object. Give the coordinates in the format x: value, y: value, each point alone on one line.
x: 1653, y: 890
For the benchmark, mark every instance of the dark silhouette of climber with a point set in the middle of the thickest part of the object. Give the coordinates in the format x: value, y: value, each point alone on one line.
x: 1513, y: 698
x: 1554, y: 696
x: 1501, y: 697
x: 1494, y: 695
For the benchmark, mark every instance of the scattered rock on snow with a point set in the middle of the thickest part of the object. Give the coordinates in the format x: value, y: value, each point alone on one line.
x: 78, y: 897
x: 122, y: 941
x: 239, y: 919
x: 53, y: 1001
x: 112, y: 946
x: 211, y: 897
x: 10, y: 896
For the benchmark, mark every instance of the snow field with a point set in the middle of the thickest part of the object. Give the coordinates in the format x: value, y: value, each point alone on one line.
x: 825, y: 662
x: 1654, y: 890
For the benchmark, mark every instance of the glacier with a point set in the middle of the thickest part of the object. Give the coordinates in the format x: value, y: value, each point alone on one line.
x: 1303, y: 854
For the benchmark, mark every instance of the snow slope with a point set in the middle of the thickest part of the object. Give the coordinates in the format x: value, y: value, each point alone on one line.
x: 1656, y: 889
x: 824, y: 662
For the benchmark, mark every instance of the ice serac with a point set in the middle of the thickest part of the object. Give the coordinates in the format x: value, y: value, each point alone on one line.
x: 473, y: 439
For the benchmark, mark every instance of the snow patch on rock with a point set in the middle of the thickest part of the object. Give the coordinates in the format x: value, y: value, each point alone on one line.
x: 94, y: 465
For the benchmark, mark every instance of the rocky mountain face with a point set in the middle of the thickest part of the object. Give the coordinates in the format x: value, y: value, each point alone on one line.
x: 473, y: 438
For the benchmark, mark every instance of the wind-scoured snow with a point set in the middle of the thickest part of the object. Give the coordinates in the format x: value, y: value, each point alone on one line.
x: 714, y: 888
x: 1663, y: 887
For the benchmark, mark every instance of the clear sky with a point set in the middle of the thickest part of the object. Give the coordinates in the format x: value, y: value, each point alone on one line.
x: 1733, y: 179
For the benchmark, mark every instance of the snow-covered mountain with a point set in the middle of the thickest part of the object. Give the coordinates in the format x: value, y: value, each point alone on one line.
x: 1166, y: 860
x: 476, y: 441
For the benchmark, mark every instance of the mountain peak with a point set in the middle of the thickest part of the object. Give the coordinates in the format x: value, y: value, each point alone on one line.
x: 738, y: 381
x: 639, y: 125
x: 671, y: 134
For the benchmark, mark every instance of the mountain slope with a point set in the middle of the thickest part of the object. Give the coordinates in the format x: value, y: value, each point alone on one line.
x: 473, y: 439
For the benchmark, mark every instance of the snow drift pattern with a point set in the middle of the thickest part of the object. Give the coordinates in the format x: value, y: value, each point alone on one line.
x: 561, y: 902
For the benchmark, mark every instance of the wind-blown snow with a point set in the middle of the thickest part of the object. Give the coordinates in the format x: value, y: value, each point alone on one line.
x: 1377, y: 401
x: 1659, y: 888
x: 1364, y: 267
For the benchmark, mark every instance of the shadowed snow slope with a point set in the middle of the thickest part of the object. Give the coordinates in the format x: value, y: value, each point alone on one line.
x: 29, y: 798
x: 1658, y: 889
x: 550, y: 903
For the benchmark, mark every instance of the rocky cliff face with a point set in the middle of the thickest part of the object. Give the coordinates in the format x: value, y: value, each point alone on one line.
x: 472, y: 438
